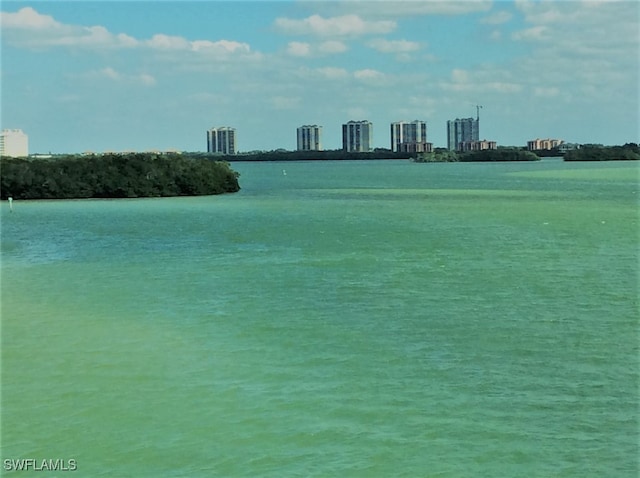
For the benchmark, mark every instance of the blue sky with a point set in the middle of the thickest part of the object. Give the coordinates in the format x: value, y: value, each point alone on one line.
x: 117, y: 76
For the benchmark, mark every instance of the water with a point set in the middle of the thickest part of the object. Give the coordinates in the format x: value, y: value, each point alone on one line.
x: 353, y: 319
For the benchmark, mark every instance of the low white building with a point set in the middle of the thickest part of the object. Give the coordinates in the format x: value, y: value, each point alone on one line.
x: 540, y: 144
x: 14, y: 143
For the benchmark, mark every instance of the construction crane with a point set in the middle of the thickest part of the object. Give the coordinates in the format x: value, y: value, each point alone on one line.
x: 478, y: 112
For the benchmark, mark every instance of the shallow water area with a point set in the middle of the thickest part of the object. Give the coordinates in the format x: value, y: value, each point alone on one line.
x: 347, y: 318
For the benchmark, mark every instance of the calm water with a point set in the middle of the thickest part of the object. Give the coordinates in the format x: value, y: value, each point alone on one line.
x: 347, y: 319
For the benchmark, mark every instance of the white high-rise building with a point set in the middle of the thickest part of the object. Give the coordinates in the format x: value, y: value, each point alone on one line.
x: 221, y: 140
x: 462, y: 130
x: 408, y: 135
x: 14, y: 143
x: 357, y: 136
x: 309, y: 138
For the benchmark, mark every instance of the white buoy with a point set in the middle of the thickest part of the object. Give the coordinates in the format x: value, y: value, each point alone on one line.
x: 284, y: 172
x: 10, y: 203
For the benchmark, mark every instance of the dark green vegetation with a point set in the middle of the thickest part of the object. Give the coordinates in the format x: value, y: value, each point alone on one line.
x: 502, y: 154
x: 328, y: 155
x: 115, y: 176
x: 629, y: 151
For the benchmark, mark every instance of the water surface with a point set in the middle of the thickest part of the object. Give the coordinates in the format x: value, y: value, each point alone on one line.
x: 355, y: 319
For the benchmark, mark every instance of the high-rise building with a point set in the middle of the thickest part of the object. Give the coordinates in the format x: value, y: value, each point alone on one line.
x: 221, y: 140
x: 462, y: 130
x: 309, y: 138
x: 408, y: 136
x: 14, y: 143
x: 356, y: 136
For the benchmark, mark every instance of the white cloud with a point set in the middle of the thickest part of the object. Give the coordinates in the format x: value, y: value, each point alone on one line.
x: 393, y: 46
x: 163, y: 42
x: 345, y: 25
x: 211, y: 98
x: 146, y: 79
x: 332, y: 73
x: 497, y: 18
x: 220, y: 46
x: 332, y: 46
x: 459, y: 76
x: 483, y: 80
x: 30, y: 29
x: 111, y: 74
x: 96, y: 36
x: 285, y: 102
x: 602, y: 26
x: 546, y: 92
x: 369, y: 75
x: 503, y: 87
x: 29, y: 19
x: 305, y: 49
x: 296, y: 48
x: 167, y: 42
x: 538, y: 32
x: 321, y: 74
x: 409, y: 8
x: 417, y: 107
x: 589, y: 46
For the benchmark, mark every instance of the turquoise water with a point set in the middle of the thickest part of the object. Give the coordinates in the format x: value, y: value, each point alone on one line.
x: 352, y: 319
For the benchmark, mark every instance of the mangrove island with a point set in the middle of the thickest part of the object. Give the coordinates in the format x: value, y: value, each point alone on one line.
x: 113, y: 175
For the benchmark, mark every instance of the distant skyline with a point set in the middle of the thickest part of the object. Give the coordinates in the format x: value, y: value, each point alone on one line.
x: 113, y: 75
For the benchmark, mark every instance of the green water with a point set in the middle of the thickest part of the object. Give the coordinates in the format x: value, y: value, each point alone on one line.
x: 351, y: 319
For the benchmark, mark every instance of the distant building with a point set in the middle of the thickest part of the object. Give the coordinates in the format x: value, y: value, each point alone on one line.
x: 221, y: 140
x: 356, y: 136
x: 408, y: 136
x: 14, y: 143
x: 422, y: 147
x: 564, y: 147
x: 462, y: 130
x: 540, y: 144
x: 309, y: 138
x: 477, y: 145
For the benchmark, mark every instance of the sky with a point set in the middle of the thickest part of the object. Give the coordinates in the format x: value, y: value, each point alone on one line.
x: 81, y: 76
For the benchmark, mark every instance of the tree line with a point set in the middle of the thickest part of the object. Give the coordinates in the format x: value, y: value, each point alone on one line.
x: 443, y: 155
x: 629, y: 151
x: 326, y: 155
x: 115, y: 175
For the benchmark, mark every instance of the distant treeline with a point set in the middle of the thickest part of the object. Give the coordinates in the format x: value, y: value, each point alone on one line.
x: 329, y: 155
x: 115, y: 176
x: 442, y: 155
x: 629, y: 151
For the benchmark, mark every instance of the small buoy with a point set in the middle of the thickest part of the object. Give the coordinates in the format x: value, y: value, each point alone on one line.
x: 10, y: 203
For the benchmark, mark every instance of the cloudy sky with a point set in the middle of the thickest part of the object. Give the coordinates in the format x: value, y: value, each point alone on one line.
x: 95, y: 76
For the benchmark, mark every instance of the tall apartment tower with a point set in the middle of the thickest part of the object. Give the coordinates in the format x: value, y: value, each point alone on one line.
x: 462, y: 130
x: 14, y: 143
x: 356, y: 136
x: 309, y: 138
x: 406, y: 134
x: 221, y: 140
